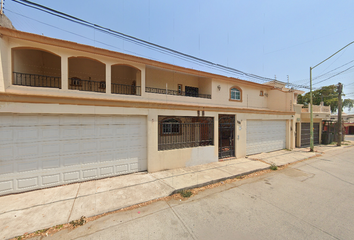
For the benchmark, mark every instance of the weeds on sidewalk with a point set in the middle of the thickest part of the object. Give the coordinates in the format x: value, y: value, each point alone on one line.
x: 186, y: 193
x: 79, y: 222
x: 273, y: 167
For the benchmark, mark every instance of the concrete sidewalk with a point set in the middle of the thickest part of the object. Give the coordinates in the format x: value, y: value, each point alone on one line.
x: 31, y: 211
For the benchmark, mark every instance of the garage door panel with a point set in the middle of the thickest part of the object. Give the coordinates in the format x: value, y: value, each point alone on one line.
x: 7, y: 152
x: 265, y: 136
x: 50, y: 163
x: 7, y: 168
x: 42, y: 151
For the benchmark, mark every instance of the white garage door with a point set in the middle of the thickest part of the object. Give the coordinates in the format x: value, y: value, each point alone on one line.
x: 38, y: 151
x: 265, y: 136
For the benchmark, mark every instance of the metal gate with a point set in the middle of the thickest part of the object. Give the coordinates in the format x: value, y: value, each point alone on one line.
x: 305, y: 134
x: 226, y: 136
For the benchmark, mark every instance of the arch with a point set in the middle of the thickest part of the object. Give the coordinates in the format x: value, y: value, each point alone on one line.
x: 86, y: 68
x: 34, y: 48
x: 128, y: 65
x: 125, y: 79
x: 84, y: 57
x: 235, y: 94
x: 36, y: 67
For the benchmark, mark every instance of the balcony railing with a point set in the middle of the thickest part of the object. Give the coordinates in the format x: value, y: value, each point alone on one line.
x: 175, y: 92
x: 317, y: 109
x: 87, y: 85
x: 36, y: 80
x: 125, y: 89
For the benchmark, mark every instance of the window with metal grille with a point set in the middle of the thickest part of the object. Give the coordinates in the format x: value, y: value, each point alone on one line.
x: 185, y: 132
x: 170, y: 126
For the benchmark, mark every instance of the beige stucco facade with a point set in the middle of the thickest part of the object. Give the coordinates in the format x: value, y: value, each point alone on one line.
x: 66, y: 60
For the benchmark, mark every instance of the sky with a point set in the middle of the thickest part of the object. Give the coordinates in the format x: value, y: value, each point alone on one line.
x: 271, y: 38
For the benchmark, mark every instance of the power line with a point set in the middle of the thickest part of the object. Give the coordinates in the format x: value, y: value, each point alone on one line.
x: 332, y: 70
x: 335, y: 75
x: 149, y: 45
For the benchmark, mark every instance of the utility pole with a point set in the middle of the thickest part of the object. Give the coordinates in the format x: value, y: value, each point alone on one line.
x: 2, y: 6
x: 311, y: 117
x: 339, y: 136
x: 311, y: 114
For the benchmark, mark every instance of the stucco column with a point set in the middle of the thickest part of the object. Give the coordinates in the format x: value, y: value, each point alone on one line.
x: 108, y: 79
x: 153, y: 160
x: 240, y: 135
x: 6, y: 67
x: 143, y: 75
x: 64, y: 73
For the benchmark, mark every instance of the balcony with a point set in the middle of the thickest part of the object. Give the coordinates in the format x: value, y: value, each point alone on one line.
x: 317, y: 109
x: 36, y: 80
x: 191, y: 93
x: 87, y: 85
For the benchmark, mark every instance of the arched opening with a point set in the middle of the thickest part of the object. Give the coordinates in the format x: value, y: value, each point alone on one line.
x: 125, y: 80
x: 36, y: 68
x: 86, y: 74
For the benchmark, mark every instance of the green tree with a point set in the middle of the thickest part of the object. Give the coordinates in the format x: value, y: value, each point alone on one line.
x: 329, y: 96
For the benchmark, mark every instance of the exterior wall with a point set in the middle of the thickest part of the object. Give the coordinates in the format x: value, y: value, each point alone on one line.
x: 158, y: 78
x: 65, y: 54
x: 177, y: 158
x: 123, y: 74
x: 250, y: 95
x: 36, y: 61
x: 5, y: 63
x: 241, y: 130
x: 281, y: 101
x: 65, y: 101
x: 155, y: 77
x: 167, y: 159
x: 86, y: 69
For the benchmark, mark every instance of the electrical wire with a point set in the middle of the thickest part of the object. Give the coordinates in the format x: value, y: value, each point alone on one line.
x: 334, y: 75
x: 150, y: 45
x: 332, y: 70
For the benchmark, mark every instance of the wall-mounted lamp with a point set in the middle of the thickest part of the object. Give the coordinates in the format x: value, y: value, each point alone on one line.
x: 239, y: 122
x: 266, y: 94
x: 219, y: 87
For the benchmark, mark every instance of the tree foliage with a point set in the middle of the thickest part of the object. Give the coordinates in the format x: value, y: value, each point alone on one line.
x: 329, y: 96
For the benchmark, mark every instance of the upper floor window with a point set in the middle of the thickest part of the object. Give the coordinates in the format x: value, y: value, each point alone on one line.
x: 236, y: 94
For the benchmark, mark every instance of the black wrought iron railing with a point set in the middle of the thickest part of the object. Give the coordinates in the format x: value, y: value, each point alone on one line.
x: 87, y: 85
x: 36, y: 80
x: 125, y: 89
x: 185, y: 135
x: 175, y: 92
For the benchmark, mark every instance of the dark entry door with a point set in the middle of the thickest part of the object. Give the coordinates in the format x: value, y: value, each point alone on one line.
x: 305, y: 134
x: 226, y: 136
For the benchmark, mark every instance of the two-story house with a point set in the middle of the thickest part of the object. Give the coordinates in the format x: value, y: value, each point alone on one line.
x: 71, y: 112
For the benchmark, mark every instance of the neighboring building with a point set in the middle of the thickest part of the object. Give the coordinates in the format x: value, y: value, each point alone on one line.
x: 302, y: 136
x: 71, y: 112
x: 348, y: 122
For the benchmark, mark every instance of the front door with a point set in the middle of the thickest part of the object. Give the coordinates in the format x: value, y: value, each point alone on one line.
x: 226, y: 136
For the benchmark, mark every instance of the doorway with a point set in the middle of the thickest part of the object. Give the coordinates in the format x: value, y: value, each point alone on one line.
x: 226, y: 136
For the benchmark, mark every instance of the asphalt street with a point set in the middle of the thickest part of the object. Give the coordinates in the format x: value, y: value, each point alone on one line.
x: 312, y: 199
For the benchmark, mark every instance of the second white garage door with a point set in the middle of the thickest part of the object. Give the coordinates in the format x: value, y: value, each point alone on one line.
x: 38, y: 151
x: 265, y: 136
